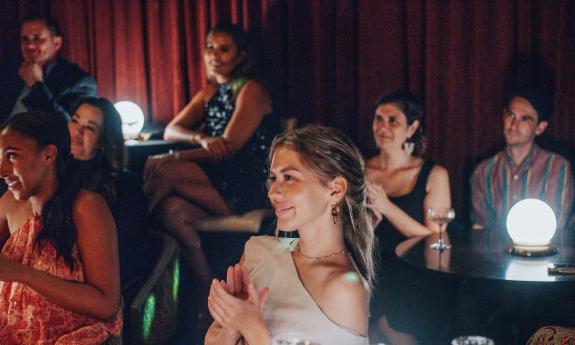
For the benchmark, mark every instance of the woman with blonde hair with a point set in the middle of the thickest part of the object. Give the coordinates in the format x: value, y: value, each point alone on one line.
x: 321, y: 287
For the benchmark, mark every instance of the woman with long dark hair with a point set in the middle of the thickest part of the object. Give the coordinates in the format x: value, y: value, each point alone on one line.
x: 97, y: 144
x: 59, y: 272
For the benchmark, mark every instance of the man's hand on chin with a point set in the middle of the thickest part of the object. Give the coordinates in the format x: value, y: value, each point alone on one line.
x: 31, y: 73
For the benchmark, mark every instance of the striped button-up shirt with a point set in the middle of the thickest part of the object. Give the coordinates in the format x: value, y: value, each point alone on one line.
x: 498, y: 183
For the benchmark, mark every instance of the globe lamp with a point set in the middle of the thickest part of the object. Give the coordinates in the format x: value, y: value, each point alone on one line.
x: 132, y: 118
x: 531, y: 225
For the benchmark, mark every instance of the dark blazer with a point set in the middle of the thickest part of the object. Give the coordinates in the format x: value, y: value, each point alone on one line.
x: 65, y: 84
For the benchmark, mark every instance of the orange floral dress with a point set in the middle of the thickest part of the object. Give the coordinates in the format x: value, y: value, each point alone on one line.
x: 26, y: 317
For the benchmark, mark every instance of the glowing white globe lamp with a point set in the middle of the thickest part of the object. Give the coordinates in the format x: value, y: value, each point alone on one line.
x: 132, y: 118
x: 531, y: 224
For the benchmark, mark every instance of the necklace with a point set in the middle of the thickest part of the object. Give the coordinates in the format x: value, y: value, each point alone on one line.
x: 321, y: 257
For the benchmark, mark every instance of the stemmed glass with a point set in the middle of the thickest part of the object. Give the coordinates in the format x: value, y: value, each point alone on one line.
x: 441, y: 216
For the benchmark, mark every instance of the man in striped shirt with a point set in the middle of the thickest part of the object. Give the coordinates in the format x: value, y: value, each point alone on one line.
x: 523, y: 169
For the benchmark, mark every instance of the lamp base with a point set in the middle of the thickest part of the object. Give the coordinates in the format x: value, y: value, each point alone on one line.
x: 532, y: 251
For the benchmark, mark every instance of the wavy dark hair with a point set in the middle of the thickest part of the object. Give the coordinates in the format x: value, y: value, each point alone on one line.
x: 110, y: 159
x: 57, y: 224
x: 330, y: 153
x: 412, y: 107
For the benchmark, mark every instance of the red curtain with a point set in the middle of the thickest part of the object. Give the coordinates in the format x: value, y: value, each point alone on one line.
x: 329, y: 60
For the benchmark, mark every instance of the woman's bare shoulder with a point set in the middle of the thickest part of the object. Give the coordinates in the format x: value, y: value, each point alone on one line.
x: 346, y: 297
x: 254, y: 88
x: 13, y: 212
x: 90, y: 206
x: 8, y: 203
x: 87, y: 198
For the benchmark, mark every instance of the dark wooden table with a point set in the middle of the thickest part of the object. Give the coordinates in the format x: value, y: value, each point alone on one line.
x: 502, y: 296
x: 482, y: 254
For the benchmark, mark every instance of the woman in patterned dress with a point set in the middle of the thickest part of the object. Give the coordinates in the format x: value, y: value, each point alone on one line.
x: 59, y: 271
x: 231, y: 122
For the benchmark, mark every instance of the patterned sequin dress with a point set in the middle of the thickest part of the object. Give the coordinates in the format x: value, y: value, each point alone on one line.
x: 240, y: 179
x: 26, y: 317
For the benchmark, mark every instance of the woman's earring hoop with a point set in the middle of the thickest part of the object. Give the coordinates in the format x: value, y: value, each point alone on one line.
x: 335, y: 213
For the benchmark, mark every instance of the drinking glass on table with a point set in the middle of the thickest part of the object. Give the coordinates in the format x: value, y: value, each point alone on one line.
x: 441, y: 216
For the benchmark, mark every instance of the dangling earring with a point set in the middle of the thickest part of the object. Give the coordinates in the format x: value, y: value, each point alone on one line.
x: 408, y: 146
x: 335, y: 213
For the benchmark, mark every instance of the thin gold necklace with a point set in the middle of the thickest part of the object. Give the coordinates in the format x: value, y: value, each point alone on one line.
x: 323, y: 256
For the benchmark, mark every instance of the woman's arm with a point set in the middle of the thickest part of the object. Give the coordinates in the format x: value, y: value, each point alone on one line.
x: 438, y: 195
x: 99, y: 295
x: 252, y: 103
x: 183, y: 127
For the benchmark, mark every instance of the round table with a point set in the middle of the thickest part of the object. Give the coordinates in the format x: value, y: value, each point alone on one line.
x: 483, y: 254
x: 500, y: 295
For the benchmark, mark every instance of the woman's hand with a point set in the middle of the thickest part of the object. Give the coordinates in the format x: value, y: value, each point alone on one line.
x: 235, y: 313
x: 377, y: 201
x: 153, y: 164
x: 217, y: 147
x: 238, y: 281
x: 236, y: 285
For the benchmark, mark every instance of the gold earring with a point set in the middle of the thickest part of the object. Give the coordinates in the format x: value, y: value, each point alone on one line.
x: 335, y: 213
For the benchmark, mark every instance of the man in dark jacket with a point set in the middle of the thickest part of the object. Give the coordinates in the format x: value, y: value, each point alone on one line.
x: 42, y: 80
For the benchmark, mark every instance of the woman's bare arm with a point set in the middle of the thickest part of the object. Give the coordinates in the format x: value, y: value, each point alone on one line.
x: 99, y: 295
x: 253, y: 102
x: 184, y: 127
x: 438, y: 195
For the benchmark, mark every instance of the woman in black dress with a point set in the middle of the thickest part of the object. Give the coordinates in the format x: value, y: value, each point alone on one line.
x: 402, y: 186
x: 232, y: 123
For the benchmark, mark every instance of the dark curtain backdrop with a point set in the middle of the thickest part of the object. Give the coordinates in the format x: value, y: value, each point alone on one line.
x: 328, y: 61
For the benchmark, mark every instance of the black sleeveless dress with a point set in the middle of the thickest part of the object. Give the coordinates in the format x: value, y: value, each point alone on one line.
x: 396, y: 294
x: 388, y: 236
x: 241, y: 179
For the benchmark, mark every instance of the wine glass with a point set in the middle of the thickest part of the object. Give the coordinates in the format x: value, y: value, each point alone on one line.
x: 441, y: 216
